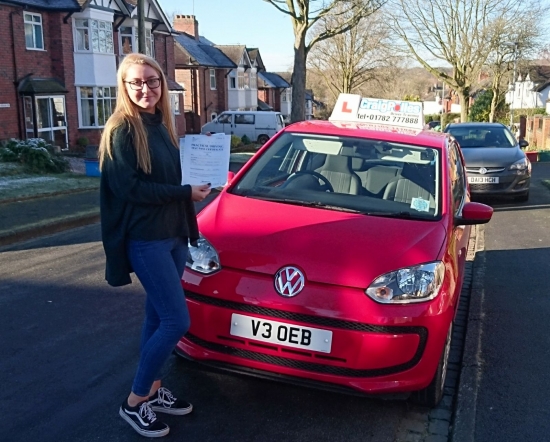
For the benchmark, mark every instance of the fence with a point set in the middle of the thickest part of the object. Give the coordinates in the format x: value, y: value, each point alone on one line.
x: 537, y: 132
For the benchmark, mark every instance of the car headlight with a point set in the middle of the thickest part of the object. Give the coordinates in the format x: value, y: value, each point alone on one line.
x: 412, y: 284
x: 521, y: 165
x: 203, y: 258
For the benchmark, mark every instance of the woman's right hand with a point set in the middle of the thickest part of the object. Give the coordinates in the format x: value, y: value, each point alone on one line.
x: 199, y: 193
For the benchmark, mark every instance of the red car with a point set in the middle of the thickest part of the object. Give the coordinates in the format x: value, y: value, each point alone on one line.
x: 335, y: 259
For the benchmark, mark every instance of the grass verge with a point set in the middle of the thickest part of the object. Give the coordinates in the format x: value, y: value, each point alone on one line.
x: 16, y: 185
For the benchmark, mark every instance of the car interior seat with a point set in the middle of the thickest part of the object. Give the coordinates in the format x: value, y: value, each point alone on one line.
x: 415, y: 181
x: 338, y: 170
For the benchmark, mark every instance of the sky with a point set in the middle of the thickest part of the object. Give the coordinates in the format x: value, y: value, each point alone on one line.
x: 253, y: 23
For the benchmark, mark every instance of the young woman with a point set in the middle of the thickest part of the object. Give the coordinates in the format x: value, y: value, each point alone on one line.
x: 147, y: 220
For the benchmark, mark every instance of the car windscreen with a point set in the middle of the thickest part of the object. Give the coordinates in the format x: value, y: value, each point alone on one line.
x: 482, y: 137
x: 348, y: 174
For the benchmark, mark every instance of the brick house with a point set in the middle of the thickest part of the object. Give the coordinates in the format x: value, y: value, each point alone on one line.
x: 202, y: 69
x: 273, y: 89
x: 58, y: 76
x: 243, y: 80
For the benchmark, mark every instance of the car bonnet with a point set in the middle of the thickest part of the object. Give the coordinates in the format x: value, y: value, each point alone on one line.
x: 331, y: 247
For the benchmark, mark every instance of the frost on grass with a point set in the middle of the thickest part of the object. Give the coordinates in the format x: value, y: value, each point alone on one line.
x: 13, y: 182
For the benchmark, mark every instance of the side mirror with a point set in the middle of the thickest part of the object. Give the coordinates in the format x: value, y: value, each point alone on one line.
x: 230, y: 176
x: 474, y: 213
x: 523, y: 143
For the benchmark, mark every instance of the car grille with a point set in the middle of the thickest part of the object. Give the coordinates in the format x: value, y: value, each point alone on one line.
x: 475, y: 170
x: 316, y: 320
x: 299, y: 317
x: 480, y: 187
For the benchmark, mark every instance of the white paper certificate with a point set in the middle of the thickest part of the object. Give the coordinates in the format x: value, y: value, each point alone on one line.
x: 205, y: 159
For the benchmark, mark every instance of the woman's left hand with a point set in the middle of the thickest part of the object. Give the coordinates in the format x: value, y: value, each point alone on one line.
x: 199, y: 193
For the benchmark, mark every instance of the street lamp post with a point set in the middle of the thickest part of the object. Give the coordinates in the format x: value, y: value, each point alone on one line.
x: 513, y: 88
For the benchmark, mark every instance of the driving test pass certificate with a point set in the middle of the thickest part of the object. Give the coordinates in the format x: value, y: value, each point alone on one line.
x: 205, y: 159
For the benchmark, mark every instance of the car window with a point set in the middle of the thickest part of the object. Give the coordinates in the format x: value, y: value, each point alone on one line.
x: 244, y: 119
x: 497, y: 136
x: 347, y: 174
x: 224, y: 118
x: 457, y: 176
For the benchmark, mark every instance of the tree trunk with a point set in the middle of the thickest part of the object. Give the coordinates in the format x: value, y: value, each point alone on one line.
x: 493, y: 107
x: 141, y: 26
x: 464, y: 98
x: 298, y: 112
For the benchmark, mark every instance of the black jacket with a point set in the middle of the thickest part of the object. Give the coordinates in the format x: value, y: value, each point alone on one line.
x: 136, y: 205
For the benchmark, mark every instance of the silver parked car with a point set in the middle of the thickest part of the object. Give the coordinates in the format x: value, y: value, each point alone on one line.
x: 495, y: 163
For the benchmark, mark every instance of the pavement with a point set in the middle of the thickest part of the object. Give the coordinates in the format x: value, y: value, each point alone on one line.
x: 22, y: 220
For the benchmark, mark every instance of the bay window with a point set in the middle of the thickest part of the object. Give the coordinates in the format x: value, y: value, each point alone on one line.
x: 94, y: 36
x: 97, y: 104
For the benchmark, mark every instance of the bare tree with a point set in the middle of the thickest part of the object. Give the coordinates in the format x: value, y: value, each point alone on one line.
x: 304, y: 14
x: 516, y: 38
x: 456, y: 32
x: 349, y: 60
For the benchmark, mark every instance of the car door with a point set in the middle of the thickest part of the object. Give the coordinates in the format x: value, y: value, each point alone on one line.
x: 459, y: 196
x: 245, y: 124
x: 225, y: 123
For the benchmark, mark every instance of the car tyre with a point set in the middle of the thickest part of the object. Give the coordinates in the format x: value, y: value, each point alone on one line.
x: 262, y: 139
x: 432, y: 394
x: 522, y: 198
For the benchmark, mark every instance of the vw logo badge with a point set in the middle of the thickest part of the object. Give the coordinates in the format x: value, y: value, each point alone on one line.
x: 483, y: 171
x: 289, y: 281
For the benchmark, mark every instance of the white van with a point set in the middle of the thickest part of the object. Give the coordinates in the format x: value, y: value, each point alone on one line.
x: 258, y: 126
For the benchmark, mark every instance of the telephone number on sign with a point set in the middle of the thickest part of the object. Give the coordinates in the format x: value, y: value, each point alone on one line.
x: 390, y: 119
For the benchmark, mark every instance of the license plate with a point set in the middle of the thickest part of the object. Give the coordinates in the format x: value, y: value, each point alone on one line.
x: 280, y: 333
x: 483, y: 179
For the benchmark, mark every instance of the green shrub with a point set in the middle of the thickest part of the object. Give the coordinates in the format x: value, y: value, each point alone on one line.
x: 245, y: 140
x: 7, y: 155
x: 35, y: 154
x: 235, y: 141
x: 82, y: 141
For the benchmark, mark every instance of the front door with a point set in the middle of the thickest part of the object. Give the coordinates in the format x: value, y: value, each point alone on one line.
x: 49, y: 114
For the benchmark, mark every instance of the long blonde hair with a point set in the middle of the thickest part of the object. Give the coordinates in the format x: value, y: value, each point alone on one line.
x: 127, y: 114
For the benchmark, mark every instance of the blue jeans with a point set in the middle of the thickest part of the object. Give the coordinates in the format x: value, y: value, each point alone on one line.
x: 159, y: 266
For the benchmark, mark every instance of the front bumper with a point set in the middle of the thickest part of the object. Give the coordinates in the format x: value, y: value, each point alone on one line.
x: 508, y: 184
x: 372, y: 351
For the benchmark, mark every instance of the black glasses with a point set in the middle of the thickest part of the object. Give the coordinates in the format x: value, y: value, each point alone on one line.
x: 137, y: 85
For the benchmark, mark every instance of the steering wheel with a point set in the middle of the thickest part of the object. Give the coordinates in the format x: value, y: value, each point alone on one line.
x: 326, y: 187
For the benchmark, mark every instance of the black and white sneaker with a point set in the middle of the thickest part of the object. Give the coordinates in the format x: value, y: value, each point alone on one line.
x: 143, y: 420
x: 163, y: 401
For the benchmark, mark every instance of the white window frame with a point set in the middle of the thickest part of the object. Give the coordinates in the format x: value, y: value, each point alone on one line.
x: 134, y: 43
x: 34, y: 24
x: 212, y: 79
x: 121, y: 35
x: 240, y: 79
x: 104, y: 45
x: 149, y: 43
x: 253, y: 80
x: 175, y: 103
x: 232, y: 79
x: 97, y: 101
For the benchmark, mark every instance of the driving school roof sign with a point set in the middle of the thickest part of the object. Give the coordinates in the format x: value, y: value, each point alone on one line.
x: 359, y: 109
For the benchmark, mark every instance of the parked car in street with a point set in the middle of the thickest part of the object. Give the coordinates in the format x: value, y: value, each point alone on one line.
x: 495, y: 163
x: 433, y: 124
x: 258, y: 126
x: 335, y: 257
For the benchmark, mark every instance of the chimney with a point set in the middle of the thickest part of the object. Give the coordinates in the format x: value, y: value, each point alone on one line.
x: 187, y: 24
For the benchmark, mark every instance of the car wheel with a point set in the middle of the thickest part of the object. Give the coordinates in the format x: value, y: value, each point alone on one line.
x: 262, y: 139
x: 522, y: 198
x: 432, y: 394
